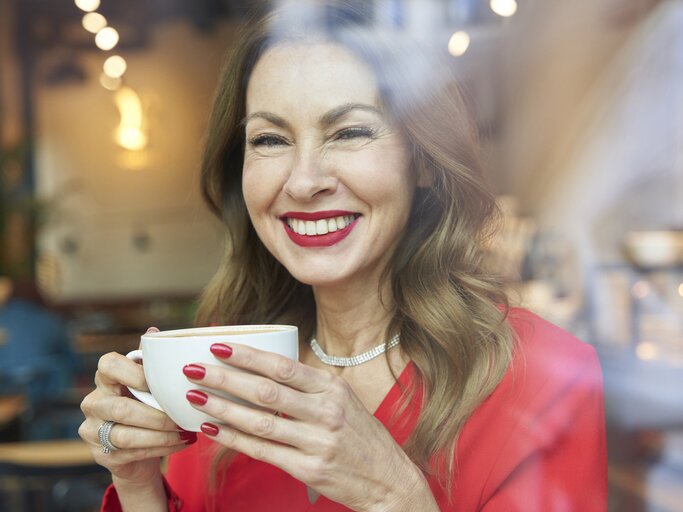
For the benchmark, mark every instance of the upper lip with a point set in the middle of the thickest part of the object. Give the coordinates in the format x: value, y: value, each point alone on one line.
x: 323, y: 214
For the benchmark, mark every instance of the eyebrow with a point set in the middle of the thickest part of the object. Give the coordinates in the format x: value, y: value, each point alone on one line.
x: 332, y: 116
x: 326, y: 120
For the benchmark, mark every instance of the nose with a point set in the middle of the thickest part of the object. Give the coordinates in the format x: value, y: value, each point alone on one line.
x: 310, y: 176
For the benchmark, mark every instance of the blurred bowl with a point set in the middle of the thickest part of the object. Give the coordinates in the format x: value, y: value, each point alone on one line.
x: 654, y: 249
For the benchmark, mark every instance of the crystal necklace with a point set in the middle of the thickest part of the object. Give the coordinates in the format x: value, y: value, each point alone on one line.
x: 358, y: 358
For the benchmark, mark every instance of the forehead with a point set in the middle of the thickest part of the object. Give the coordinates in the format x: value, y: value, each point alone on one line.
x: 309, y: 76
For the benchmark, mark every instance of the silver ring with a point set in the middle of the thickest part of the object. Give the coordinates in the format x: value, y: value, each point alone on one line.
x: 103, y: 433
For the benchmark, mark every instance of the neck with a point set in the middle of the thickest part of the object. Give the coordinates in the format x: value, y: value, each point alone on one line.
x: 350, y: 321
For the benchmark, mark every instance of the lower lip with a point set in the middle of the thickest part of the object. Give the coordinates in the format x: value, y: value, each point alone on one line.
x: 319, y: 240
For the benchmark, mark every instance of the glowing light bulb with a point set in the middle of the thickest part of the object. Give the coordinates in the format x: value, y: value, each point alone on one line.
x: 131, y: 138
x: 458, y: 43
x: 130, y: 134
x: 106, y: 38
x: 94, y: 22
x: 114, y: 66
x: 504, y: 8
x: 87, y: 5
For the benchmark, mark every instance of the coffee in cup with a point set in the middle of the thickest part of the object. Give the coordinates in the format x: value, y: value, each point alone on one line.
x: 164, y: 354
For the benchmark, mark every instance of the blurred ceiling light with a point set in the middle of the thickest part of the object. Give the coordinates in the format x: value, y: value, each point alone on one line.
x: 87, y: 5
x: 458, y: 43
x: 106, y: 38
x: 504, y: 7
x: 130, y: 134
x: 109, y: 82
x: 94, y: 22
x: 131, y: 138
x: 680, y: 290
x: 114, y: 66
x: 647, y: 351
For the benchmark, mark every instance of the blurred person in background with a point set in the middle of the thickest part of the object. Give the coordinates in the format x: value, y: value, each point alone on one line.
x: 36, y: 359
x: 345, y: 166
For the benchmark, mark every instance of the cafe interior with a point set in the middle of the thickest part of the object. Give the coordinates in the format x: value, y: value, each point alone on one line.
x: 103, y: 232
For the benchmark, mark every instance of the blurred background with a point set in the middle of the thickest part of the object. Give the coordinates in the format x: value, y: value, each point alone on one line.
x: 103, y: 107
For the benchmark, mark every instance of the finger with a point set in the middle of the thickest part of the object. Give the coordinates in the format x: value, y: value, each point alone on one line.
x: 279, y: 368
x: 114, y: 369
x: 127, y: 411
x: 123, y: 457
x: 280, y: 455
x: 256, y: 389
x: 152, y: 329
x: 125, y: 437
x: 262, y: 424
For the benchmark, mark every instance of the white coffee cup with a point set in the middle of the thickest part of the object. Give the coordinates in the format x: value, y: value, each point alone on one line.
x: 164, y: 354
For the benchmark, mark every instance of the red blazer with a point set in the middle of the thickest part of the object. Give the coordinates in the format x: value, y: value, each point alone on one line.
x: 537, y: 444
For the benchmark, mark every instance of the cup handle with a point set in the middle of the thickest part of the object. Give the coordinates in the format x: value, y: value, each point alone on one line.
x: 144, y: 396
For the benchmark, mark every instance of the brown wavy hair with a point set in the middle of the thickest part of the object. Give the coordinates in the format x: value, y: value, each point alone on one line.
x: 450, y: 312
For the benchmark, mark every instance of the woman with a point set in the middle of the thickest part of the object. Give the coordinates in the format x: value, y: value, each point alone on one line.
x: 347, y: 175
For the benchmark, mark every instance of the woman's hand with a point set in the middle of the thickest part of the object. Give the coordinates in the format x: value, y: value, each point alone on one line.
x: 141, y: 433
x: 327, y: 439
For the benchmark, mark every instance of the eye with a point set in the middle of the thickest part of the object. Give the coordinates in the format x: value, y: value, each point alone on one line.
x: 357, y: 132
x: 268, y: 140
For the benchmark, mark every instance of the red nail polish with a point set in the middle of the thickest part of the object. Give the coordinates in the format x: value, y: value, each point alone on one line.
x: 221, y: 350
x: 196, y: 397
x: 194, y: 371
x: 188, y: 437
x: 209, y: 429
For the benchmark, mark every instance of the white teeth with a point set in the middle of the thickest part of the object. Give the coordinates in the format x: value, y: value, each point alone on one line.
x: 321, y: 227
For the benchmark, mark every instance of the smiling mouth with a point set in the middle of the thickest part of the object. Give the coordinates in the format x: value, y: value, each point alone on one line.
x: 320, y: 226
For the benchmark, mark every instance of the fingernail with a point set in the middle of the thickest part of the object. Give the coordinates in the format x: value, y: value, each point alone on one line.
x: 221, y: 350
x: 194, y: 371
x: 209, y: 429
x: 188, y: 437
x: 196, y: 397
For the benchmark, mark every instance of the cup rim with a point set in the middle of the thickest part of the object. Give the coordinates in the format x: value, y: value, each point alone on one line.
x: 219, y: 330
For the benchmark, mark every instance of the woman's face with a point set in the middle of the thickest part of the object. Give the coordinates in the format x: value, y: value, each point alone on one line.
x: 326, y: 175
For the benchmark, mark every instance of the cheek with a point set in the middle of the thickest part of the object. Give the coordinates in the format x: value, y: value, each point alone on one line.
x: 258, y: 181
x: 255, y: 195
x: 381, y: 178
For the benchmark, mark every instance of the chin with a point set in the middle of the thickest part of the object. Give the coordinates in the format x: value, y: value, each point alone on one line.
x: 317, y: 277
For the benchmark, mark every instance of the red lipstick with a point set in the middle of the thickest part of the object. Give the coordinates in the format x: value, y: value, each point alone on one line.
x: 317, y: 240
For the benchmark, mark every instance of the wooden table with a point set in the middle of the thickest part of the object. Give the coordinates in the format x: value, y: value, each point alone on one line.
x: 47, y: 453
x: 11, y: 406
